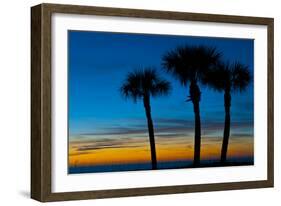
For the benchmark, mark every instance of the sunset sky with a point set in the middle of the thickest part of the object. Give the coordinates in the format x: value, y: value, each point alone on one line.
x: 106, y: 129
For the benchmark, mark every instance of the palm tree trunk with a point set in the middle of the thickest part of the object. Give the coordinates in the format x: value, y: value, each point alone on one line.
x: 195, y: 96
x: 146, y: 102
x: 227, y: 104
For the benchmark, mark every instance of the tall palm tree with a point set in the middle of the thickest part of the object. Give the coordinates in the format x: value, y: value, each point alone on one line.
x: 228, y: 78
x: 142, y: 85
x: 189, y: 64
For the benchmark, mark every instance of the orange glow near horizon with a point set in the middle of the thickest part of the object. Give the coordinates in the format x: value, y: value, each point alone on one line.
x: 173, y: 149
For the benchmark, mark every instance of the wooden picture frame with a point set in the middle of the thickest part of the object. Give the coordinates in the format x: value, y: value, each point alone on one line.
x: 41, y: 117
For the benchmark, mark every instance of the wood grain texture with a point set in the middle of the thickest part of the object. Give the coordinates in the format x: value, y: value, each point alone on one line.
x: 40, y: 102
x: 156, y: 14
x: 41, y: 174
x: 270, y: 102
x: 36, y: 58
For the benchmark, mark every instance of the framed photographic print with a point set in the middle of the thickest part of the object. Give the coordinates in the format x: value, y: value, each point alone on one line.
x: 130, y: 102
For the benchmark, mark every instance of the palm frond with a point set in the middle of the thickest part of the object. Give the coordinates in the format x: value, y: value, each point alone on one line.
x: 132, y: 87
x: 226, y: 76
x: 160, y: 88
x: 174, y: 64
x: 219, y: 77
x: 143, y: 82
x: 241, y: 76
x: 190, y: 63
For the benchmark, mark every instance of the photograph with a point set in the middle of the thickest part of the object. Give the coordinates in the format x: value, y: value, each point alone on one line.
x: 155, y: 101
x: 133, y: 102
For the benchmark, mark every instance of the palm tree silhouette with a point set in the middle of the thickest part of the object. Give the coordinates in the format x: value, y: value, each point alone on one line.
x: 141, y: 85
x: 189, y: 65
x: 228, y: 78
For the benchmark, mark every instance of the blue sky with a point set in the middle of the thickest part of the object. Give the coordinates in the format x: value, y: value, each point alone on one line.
x: 98, y: 63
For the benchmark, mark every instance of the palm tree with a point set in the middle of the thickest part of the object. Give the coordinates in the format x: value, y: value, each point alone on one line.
x: 228, y: 78
x: 189, y: 65
x: 142, y: 85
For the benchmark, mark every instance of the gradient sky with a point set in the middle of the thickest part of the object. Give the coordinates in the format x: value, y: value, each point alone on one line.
x: 105, y: 128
